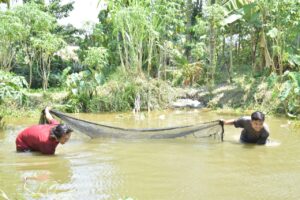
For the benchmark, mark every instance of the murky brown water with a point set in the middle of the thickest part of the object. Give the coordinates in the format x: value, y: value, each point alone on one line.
x: 178, y: 169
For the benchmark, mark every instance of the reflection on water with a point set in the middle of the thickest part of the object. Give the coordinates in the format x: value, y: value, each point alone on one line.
x: 193, y: 168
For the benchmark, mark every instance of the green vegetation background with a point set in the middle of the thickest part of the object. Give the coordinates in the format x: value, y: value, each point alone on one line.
x: 236, y: 54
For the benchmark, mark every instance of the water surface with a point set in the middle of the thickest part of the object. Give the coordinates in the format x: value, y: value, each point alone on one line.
x: 186, y: 168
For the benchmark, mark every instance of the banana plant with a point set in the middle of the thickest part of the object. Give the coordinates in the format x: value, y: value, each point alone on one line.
x: 275, y: 23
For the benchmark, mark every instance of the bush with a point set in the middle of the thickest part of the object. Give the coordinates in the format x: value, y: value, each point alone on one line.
x: 290, y: 93
x: 12, y: 88
x: 120, y: 92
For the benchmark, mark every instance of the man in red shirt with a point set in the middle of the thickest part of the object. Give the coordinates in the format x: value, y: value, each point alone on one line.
x: 44, y: 137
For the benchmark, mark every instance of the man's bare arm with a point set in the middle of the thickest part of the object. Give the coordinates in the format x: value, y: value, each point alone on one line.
x: 48, y: 115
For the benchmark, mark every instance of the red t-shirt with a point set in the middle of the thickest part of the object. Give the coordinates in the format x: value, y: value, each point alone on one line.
x: 36, y: 138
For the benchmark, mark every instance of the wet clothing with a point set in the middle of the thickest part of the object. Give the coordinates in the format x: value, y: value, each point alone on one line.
x: 249, y: 135
x: 37, y: 138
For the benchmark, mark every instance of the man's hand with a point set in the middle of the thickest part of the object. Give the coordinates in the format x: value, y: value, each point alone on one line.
x: 221, y: 122
x: 47, y: 109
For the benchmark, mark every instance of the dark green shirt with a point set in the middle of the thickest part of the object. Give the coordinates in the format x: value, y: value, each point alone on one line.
x: 249, y: 135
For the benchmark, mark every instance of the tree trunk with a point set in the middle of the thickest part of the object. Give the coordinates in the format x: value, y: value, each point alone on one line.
x: 230, y: 59
x: 212, y: 49
x: 30, y: 64
x: 254, y: 41
x: 140, y: 58
x: 125, y: 51
x: 120, y: 52
x: 266, y: 58
x: 30, y: 74
x: 212, y: 53
x: 265, y: 53
x: 150, y: 47
x: 164, y: 64
x: 281, y: 56
x: 121, y: 57
x: 189, y: 10
x: 7, y: 57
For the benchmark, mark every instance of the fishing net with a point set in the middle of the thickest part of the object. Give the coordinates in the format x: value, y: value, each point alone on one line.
x: 95, y: 130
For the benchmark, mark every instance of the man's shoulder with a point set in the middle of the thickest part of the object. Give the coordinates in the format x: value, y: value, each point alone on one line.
x: 242, y: 122
x: 244, y: 119
x: 29, y: 129
x: 37, y: 130
x: 40, y: 126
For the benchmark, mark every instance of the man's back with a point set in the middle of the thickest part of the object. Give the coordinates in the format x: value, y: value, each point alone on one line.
x: 36, y: 138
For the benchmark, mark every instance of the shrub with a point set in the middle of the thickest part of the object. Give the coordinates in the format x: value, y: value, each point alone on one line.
x: 11, y: 88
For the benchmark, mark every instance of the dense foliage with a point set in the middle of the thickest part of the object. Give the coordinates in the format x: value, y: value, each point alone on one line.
x: 140, y: 44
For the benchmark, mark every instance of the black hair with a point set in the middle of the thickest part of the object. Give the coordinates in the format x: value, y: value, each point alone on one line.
x: 258, y: 116
x: 60, y: 130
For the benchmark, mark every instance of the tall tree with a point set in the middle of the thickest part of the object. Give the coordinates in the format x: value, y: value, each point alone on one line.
x: 45, y: 46
x: 37, y: 22
x: 214, y: 17
x: 12, y: 32
x: 134, y: 29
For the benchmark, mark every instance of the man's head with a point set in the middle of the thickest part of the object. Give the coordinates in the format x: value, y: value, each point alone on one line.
x: 257, y: 120
x: 62, y: 133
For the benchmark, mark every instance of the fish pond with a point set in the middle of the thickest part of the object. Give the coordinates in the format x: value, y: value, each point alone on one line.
x: 147, y: 169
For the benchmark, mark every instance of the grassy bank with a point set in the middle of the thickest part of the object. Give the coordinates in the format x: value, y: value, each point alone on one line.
x: 271, y: 95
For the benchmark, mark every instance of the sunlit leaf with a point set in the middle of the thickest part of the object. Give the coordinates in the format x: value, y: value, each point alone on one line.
x: 287, y: 86
x: 231, y: 18
x: 273, y: 33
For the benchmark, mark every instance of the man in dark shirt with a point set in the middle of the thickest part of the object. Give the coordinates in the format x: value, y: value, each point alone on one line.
x: 44, y: 137
x: 255, y: 130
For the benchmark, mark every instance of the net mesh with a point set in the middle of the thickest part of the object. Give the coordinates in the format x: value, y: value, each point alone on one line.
x: 95, y: 130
